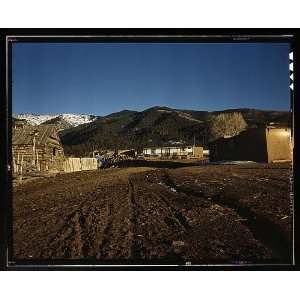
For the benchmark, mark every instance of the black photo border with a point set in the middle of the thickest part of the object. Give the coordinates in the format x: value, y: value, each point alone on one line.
x: 8, y: 36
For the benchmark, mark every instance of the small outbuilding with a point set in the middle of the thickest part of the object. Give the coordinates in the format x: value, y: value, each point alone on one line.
x: 36, y: 148
x: 264, y: 144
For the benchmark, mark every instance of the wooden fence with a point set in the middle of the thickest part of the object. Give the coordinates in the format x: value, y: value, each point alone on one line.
x: 72, y: 164
x: 17, y: 165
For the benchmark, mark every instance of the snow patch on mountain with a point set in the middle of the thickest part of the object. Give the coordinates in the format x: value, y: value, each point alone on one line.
x: 76, y: 120
x: 72, y: 119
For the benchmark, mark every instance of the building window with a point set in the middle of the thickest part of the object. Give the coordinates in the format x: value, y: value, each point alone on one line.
x: 54, y: 151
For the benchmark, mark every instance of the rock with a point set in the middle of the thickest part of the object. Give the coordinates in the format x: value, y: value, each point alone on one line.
x: 178, y: 243
x: 178, y: 247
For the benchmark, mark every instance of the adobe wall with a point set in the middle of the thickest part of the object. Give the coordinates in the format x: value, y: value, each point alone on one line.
x: 252, y: 146
x: 198, y: 152
x: 278, y: 144
x: 249, y: 145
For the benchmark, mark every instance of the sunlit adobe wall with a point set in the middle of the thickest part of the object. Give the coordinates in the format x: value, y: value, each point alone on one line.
x: 279, y: 144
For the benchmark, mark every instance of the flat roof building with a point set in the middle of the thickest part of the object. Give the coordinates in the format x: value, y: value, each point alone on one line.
x: 264, y: 144
x: 174, y: 151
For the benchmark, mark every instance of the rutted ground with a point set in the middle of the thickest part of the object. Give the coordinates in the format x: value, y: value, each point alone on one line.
x: 202, y: 214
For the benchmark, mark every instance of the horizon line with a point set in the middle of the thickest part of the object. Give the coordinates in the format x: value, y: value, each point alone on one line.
x: 147, y: 108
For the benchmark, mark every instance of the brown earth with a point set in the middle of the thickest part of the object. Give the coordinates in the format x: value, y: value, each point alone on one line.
x: 197, y: 214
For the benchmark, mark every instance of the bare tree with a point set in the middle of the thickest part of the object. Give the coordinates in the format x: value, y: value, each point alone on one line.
x: 227, y: 124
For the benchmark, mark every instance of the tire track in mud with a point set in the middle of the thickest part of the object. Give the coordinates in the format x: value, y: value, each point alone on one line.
x: 107, y: 233
x: 135, y: 251
x: 155, y: 241
x: 68, y: 240
x: 117, y: 236
x: 176, y: 214
x: 82, y: 233
x: 264, y: 230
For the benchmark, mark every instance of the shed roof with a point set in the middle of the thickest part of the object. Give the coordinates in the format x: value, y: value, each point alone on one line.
x: 23, y: 136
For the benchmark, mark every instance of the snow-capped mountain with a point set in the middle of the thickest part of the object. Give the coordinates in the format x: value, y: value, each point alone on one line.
x: 72, y: 119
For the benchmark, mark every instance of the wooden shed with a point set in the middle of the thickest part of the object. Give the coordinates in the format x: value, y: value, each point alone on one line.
x: 264, y: 144
x: 36, y: 148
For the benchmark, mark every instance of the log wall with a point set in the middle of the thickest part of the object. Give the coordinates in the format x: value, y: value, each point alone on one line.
x: 41, y: 159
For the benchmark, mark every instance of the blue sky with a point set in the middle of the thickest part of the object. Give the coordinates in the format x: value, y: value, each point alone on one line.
x: 101, y: 78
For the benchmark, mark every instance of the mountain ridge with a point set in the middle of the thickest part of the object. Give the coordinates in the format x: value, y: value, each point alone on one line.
x: 155, y: 126
x: 69, y: 120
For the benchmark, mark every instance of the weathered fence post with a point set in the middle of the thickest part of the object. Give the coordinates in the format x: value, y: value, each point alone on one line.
x: 21, y: 168
x: 14, y: 165
x: 18, y: 161
x: 33, y: 151
x: 37, y: 161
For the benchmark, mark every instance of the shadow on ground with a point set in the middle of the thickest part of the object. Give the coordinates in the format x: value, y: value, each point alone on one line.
x: 157, y: 164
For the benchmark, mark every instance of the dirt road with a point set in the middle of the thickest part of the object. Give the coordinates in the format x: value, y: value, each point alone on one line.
x: 204, y: 214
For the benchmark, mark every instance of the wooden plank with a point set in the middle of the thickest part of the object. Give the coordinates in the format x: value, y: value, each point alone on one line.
x: 21, y: 171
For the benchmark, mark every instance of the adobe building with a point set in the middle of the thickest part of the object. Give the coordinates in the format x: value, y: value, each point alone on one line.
x: 36, y: 148
x: 174, y: 152
x: 265, y: 144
